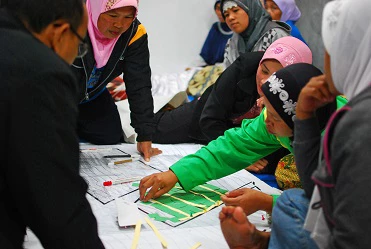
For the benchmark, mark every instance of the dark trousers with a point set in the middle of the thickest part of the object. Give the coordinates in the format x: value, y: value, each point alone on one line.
x: 99, y: 121
x: 172, y: 127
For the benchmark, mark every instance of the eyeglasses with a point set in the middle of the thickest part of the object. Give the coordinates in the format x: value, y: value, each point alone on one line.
x: 83, y: 46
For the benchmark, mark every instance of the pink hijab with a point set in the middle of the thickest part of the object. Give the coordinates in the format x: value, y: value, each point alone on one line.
x: 288, y: 50
x: 102, y: 46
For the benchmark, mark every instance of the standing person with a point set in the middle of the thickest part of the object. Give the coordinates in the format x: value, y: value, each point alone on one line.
x: 255, y: 139
x: 213, y: 49
x: 285, y: 11
x: 40, y: 185
x: 118, y: 45
x: 252, y: 26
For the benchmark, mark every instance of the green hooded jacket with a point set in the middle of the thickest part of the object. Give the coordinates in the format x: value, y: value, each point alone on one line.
x: 237, y: 149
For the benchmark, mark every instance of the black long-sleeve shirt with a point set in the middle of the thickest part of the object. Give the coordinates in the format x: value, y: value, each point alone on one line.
x: 129, y: 57
x: 40, y: 185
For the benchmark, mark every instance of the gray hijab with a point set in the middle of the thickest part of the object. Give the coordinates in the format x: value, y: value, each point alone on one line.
x: 258, y: 19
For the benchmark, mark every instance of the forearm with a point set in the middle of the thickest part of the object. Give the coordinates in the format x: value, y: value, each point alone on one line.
x: 227, y: 154
x: 137, y: 77
x: 306, y: 150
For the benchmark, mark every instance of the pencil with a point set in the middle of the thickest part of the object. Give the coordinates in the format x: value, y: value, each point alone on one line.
x: 124, y: 161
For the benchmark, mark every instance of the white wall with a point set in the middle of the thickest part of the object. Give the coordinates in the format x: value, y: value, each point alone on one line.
x: 176, y: 31
x: 310, y: 25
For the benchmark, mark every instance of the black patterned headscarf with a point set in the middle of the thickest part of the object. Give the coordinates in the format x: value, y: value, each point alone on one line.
x: 258, y: 19
x: 282, y: 90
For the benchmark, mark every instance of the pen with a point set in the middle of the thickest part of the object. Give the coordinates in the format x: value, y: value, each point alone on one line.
x: 116, y: 156
x: 121, y: 181
x: 95, y: 149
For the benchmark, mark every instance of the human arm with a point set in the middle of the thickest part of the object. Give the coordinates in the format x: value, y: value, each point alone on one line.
x: 234, y: 91
x: 221, y: 157
x: 227, y: 154
x: 49, y: 192
x: 258, y: 166
x: 158, y: 183
x: 213, y: 120
x: 137, y: 77
x: 207, y: 54
x: 145, y: 148
x: 250, y: 200
x: 307, y: 131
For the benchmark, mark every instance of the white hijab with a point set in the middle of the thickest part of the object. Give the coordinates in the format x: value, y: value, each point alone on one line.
x: 346, y: 33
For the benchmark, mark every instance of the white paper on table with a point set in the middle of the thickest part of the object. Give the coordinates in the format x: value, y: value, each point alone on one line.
x: 127, y: 213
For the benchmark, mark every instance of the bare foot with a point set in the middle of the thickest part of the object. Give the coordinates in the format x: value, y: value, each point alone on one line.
x: 239, y: 232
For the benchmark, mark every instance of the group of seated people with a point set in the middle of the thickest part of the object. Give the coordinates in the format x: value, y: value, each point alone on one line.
x: 59, y: 55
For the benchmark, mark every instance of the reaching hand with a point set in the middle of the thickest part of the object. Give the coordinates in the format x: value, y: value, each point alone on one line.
x: 145, y: 148
x: 260, y: 103
x: 160, y: 183
x: 249, y: 199
x: 258, y: 166
x: 314, y: 95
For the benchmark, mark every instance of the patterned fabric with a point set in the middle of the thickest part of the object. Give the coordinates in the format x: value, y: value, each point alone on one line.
x: 202, y: 79
x: 94, y: 77
x: 288, y: 50
x: 252, y: 113
x: 283, y: 87
x: 268, y: 39
x: 117, y: 89
x: 286, y: 173
x: 109, y: 4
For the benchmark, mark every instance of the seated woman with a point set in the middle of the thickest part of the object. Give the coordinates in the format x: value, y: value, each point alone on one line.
x: 256, y: 138
x: 213, y: 49
x: 285, y: 11
x: 232, y: 96
x: 252, y: 27
x: 339, y: 162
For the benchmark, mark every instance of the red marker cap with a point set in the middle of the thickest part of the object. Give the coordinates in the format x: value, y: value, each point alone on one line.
x: 107, y: 183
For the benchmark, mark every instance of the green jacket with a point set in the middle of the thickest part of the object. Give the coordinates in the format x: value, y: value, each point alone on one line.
x: 237, y: 149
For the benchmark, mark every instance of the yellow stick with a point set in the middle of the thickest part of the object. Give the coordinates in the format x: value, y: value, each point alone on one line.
x: 197, y: 245
x: 136, y: 234
x: 159, y: 236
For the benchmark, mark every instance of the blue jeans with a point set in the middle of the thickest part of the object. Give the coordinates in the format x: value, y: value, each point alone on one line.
x: 287, y: 222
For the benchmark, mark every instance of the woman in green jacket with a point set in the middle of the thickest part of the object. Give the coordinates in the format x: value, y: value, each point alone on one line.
x: 239, y: 147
